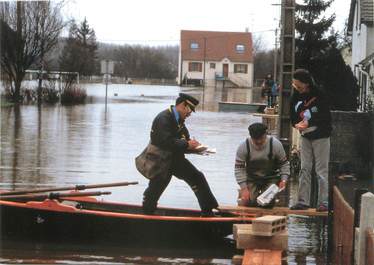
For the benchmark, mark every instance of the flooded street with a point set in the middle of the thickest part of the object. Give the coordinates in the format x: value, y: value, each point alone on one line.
x: 87, y: 144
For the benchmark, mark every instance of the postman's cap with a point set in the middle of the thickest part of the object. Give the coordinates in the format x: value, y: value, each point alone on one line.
x: 190, y: 100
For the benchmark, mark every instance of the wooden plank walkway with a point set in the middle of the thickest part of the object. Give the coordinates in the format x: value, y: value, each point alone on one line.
x: 257, y: 211
x: 262, y: 257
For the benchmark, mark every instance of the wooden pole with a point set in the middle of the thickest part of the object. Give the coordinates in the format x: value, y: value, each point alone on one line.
x: 76, y: 187
x: 53, y: 196
x: 287, y: 65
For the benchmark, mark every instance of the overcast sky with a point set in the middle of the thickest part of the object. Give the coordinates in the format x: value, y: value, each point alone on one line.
x: 159, y: 22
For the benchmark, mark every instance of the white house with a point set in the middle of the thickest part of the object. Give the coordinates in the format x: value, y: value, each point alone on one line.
x: 211, y: 57
x: 361, y: 28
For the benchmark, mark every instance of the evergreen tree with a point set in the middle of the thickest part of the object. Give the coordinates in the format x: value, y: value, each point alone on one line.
x: 316, y: 51
x: 311, y: 26
x: 337, y: 79
x: 79, y: 53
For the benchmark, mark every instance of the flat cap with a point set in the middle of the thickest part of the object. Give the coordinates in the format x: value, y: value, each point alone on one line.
x: 190, y: 100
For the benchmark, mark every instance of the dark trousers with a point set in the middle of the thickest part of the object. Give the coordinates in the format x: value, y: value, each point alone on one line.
x: 182, y: 169
x: 273, y: 100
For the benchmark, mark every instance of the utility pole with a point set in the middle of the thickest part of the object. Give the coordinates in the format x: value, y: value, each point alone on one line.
x: 19, y: 48
x: 107, y: 68
x: 204, y: 73
x: 106, y: 85
x: 287, y: 66
x: 275, y: 55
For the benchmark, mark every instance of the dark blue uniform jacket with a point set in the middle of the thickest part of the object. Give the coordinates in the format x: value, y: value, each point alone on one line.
x: 167, y: 134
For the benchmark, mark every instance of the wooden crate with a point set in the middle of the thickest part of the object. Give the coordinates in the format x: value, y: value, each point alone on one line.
x: 268, y: 225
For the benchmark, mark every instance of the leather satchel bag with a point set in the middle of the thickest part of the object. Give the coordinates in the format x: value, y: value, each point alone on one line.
x: 153, y: 162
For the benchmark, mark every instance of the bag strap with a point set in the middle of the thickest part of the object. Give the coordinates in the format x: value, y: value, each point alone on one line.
x: 270, y: 155
x: 248, y: 152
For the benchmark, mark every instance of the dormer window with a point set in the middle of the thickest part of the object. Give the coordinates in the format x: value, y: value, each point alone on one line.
x: 194, y: 45
x: 240, y: 48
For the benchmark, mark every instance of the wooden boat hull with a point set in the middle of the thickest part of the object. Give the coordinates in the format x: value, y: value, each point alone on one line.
x: 96, y: 222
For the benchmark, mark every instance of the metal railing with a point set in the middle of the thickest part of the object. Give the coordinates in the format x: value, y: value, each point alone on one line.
x: 366, y: 92
x: 239, y: 81
x: 233, y: 77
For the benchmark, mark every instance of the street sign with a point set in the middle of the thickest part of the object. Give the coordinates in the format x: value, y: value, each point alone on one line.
x: 107, y: 67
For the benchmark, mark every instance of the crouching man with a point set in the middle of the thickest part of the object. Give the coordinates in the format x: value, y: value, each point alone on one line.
x: 260, y: 161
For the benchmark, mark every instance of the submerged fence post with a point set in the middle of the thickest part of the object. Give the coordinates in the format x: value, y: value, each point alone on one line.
x: 357, y: 205
x: 366, y: 221
x: 356, y: 220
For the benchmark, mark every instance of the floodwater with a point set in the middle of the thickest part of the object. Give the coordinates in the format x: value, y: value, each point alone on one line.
x: 90, y: 144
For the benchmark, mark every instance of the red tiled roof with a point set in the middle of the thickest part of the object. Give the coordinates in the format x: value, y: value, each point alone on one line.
x: 218, y: 45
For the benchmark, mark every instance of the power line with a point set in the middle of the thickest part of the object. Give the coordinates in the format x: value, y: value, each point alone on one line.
x: 177, y: 40
x: 117, y: 40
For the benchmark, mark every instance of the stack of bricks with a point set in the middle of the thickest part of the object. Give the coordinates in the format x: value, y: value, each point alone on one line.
x: 262, y: 241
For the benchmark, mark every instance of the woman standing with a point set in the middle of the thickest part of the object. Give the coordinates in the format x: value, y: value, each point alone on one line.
x: 310, y: 115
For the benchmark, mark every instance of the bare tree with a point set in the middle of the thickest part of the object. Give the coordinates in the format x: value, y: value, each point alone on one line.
x: 258, y: 44
x: 29, y: 30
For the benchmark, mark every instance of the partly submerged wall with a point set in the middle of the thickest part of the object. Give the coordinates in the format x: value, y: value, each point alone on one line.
x: 352, y: 144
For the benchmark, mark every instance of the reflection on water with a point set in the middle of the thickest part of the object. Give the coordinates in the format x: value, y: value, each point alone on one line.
x: 39, y: 253
x: 57, y: 146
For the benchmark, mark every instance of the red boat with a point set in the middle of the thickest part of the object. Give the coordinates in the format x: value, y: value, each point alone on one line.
x: 86, y: 219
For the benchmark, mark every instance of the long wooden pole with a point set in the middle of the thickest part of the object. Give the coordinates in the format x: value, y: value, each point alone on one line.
x: 55, y: 195
x: 76, y: 187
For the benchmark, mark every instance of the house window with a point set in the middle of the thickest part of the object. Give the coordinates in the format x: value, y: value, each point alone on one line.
x: 212, y: 65
x: 195, y: 67
x: 240, y: 48
x: 240, y: 68
x: 194, y: 45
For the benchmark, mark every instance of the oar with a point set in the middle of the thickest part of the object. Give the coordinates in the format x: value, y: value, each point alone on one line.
x: 76, y: 187
x: 56, y: 195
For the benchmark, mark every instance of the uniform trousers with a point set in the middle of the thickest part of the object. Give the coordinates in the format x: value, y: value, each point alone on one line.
x: 182, y: 169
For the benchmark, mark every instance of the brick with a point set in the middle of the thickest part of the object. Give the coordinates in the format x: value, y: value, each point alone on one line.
x: 268, y: 225
x: 237, y: 227
x: 246, y: 240
x: 237, y: 260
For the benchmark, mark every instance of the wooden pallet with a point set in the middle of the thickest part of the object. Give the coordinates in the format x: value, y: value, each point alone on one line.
x: 262, y: 257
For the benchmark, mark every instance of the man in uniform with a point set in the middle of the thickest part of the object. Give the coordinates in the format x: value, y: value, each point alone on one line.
x: 170, y: 133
